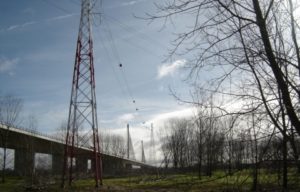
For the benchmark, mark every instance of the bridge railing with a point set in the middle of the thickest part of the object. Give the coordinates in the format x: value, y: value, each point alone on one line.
x: 32, y: 132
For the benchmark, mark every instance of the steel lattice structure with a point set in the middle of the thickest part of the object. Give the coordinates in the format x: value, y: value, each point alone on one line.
x: 83, y: 111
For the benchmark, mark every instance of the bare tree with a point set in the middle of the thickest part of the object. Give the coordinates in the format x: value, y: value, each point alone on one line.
x: 251, y: 49
x: 251, y: 42
x: 61, y: 131
x: 178, y: 141
x: 113, y: 144
x: 165, y: 148
x: 200, y: 131
x: 10, y: 110
x: 118, y: 145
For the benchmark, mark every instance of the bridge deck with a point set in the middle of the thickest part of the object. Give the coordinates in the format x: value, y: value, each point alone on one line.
x: 25, y: 141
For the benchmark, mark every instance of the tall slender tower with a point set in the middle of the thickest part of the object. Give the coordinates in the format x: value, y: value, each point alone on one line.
x: 128, y: 141
x: 152, y: 154
x: 130, y: 150
x: 82, y: 111
x: 143, y: 153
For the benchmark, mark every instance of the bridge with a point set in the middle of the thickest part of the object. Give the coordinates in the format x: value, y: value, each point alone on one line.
x: 26, y: 143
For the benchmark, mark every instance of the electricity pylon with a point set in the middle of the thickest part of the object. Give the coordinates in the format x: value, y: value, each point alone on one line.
x: 83, y: 111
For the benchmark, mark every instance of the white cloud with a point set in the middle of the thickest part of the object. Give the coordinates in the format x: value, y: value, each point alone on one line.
x: 159, y: 119
x: 126, y: 117
x: 61, y: 17
x: 13, y: 27
x: 181, y: 113
x: 18, y: 26
x: 170, y: 68
x: 132, y: 2
x: 28, y: 23
x: 129, y: 3
x: 7, y: 65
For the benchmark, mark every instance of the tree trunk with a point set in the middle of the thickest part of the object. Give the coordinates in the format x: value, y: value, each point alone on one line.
x: 255, y: 168
x: 284, y: 152
x: 254, y: 153
x: 199, y: 163
x: 298, y: 165
x: 284, y: 172
x: 283, y: 87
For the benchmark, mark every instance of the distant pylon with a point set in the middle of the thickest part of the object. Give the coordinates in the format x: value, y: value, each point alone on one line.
x: 130, y: 150
x: 143, y: 153
x: 152, y: 153
x: 128, y: 141
x: 82, y: 111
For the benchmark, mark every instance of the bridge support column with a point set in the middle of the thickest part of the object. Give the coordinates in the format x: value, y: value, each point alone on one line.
x: 81, y: 163
x: 24, y: 162
x: 128, y: 166
x: 57, y: 162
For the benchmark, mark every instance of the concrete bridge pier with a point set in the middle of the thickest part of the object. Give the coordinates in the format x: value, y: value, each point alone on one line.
x: 57, y: 163
x: 128, y: 166
x: 24, y: 162
x: 81, y: 164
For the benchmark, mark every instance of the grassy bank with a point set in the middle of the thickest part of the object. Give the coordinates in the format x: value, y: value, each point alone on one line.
x: 219, y: 181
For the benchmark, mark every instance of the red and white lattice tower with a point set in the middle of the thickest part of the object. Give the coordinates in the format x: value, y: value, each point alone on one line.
x: 83, y: 111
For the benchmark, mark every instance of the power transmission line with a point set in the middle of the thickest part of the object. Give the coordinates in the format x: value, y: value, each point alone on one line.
x: 131, y: 30
x: 112, y: 66
x: 56, y: 6
x: 121, y: 66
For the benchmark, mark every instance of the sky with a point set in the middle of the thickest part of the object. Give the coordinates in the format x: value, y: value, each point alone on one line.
x: 37, y: 52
